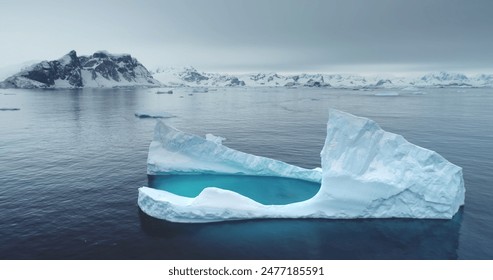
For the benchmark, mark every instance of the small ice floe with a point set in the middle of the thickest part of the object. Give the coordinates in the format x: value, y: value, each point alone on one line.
x: 165, y: 92
x: 199, y: 90
x: 390, y: 93
x: 410, y: 88
x: 154, y: 114
x: 9, y: 109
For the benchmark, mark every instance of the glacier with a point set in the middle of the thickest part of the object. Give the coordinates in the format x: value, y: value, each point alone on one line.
x: 366, y: 173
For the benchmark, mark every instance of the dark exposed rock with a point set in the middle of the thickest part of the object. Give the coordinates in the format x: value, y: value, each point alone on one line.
x: 108, y: 70
x: 271, y: 78
x: 192, y: 75
x: 258, y: 77
x: 236, y: 82
x: 382, y: 82
x: 314, y: 83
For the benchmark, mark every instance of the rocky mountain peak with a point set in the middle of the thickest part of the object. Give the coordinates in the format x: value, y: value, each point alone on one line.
x: 102, y: 69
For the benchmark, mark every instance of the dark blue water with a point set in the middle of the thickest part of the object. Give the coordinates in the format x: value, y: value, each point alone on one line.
x: 263, y: 189
x: 71, y: 163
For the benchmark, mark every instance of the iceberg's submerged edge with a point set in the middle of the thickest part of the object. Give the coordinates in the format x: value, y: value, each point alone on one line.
x: 366, y: 173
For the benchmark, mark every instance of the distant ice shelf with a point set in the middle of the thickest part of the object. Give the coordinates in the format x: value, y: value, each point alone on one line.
x: 366, y: 173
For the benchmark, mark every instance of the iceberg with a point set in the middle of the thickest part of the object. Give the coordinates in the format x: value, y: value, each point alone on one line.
x: 366, y: 173
x: 165, y: 92
x: 200, y: 90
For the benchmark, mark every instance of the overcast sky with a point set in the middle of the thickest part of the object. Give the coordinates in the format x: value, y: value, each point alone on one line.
x: 357, y: 36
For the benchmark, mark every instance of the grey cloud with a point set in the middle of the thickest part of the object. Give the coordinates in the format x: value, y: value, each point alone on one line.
x: 275, y: 35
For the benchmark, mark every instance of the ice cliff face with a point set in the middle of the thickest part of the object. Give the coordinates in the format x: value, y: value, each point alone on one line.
x: 101, y: 69
x: 373, y: 173
x: 191, y: 77
x: 366, y: 173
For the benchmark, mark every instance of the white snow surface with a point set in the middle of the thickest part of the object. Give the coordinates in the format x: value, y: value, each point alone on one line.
x: 366, y: 173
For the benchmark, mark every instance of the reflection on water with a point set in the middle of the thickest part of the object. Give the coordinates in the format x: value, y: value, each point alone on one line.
x: 308, y: 239
x: 263, y: 189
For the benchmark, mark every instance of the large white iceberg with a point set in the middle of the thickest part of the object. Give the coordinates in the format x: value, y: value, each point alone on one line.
x: 366, y: 173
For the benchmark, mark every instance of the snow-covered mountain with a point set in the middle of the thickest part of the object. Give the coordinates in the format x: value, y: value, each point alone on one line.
x: 191, y: 77
x: 443, y: 79
x: 101, y: 69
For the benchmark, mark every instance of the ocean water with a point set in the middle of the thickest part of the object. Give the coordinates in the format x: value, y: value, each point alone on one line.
x: 263, y: 189
x: 71, y: 162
